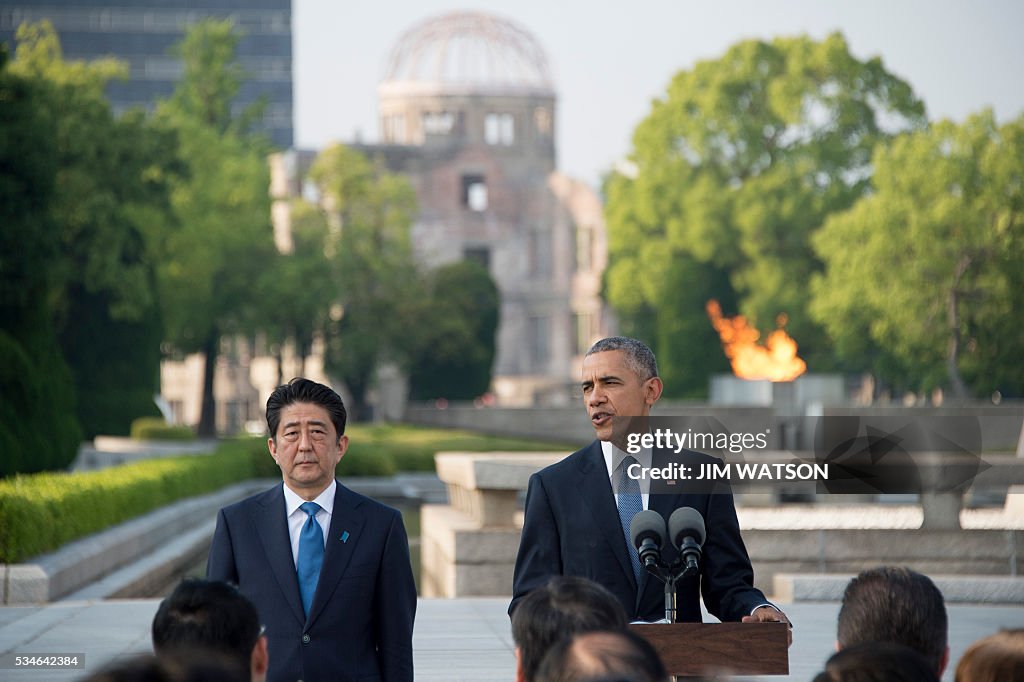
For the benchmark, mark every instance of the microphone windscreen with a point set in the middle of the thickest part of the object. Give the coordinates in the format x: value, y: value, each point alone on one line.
x: 647, y: 524
x: 686, y: 522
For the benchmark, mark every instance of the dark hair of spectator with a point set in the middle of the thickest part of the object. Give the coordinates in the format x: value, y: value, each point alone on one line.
x: 210, y: 615
x: 994, y: 658
x: 196, y: 666
x: 877, y: 662
x: 622, y: 655
x: 564, y: 606
x: 300, y: 390
x: 895, y: 604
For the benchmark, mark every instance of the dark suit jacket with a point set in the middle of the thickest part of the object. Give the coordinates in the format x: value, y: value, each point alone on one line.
x: 360, y: 623
x: 572, y: 527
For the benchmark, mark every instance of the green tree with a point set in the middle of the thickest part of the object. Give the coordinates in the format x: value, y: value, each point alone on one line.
x: 456, y: 338
x: 111, y: 209
x: 38, y: 427
x: 375, y: 277
x: 925, y: 276
x: 295, y: 292
x: 209, y: 276
x: 731, y: 172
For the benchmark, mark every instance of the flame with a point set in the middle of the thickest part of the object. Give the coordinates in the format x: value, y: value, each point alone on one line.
x: 776, y: 360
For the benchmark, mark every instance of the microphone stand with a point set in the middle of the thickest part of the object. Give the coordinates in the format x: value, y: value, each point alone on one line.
x: 670, y: 574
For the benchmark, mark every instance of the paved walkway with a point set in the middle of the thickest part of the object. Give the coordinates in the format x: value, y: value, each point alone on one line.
x: 455, y: 639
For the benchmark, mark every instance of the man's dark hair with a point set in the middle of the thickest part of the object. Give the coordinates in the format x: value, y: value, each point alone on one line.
x: 207, y: 615
x: 996, y: 657
x: 895, y: 604
x: 591, y: 656
x: 639, y: 357
x: 300, y: 390
x: 564, y: 606
x: 877, y: 662
x: 191, y: 666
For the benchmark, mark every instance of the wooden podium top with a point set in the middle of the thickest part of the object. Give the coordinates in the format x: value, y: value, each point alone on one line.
x: 727, y: 648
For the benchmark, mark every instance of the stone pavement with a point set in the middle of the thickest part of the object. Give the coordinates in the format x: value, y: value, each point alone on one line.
x: 455, y: 639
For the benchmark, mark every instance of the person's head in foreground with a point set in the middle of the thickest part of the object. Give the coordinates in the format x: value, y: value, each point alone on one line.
x: 877, y: 662
x: 895, y: 604
x: 189, y: 666
x: 564, y: 606
x: 307, y: 434
x: 619, y: 379
x: 619, y: 655
x: 213, y: 616
x: 993, y: 659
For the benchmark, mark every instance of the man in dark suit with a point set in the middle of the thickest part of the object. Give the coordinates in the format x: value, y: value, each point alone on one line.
x: 576, y: 524
x: 328, y: 569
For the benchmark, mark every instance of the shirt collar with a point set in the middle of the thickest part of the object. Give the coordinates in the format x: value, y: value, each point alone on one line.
x: 613, y: 457
x: 292, y: 501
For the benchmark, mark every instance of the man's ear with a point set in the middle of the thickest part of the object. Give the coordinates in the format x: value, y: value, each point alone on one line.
x: 837, y: 647
x: 520, y: 675
x: 652, y: 390
x: 342, y: 446
x: 944, y: 662
x: 272, y: 446
x: 260, y: 660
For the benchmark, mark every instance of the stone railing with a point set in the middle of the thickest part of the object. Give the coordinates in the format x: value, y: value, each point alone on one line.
x: 469, y: 546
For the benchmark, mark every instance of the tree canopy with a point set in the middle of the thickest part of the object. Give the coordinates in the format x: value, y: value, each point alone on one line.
x: 734, y: 168
x: 924, y: 279
x: 213, y: 262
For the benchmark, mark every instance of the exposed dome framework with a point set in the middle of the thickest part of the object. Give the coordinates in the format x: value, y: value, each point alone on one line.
x: 469, y: 49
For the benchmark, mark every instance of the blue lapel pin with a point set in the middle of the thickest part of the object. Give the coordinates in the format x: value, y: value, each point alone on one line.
x: 344, y: 536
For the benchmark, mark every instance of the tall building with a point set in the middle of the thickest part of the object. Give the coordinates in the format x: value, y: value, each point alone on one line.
x: 467, y: 111
x: 142, y: 33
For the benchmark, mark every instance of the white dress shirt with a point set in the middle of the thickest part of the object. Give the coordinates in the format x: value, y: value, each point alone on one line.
x: 297, y: 517
x: 613, y: 458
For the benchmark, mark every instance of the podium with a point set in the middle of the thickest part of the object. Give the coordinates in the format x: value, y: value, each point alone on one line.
x: 694, y: 649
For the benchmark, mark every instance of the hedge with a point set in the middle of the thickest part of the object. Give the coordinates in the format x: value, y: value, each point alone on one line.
x: 41, y: 512
x: 155, y: 428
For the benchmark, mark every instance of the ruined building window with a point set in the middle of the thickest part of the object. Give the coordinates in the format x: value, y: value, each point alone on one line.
x: 480, y: 255
x: 438, y: 122
x: 474, y: 192
x: 499, y: 129
x: 394, y: 128
x: 542, y: 121
x: 538, y: 334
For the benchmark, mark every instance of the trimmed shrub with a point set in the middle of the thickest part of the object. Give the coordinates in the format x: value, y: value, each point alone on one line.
x: 155, y: 428
x: 41, y: 512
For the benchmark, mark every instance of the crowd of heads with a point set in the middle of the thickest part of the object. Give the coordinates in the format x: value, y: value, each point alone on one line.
x: 892, y: 627
x: 573, y: 630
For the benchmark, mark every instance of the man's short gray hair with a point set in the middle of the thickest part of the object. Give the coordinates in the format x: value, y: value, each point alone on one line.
x: 639, y: 357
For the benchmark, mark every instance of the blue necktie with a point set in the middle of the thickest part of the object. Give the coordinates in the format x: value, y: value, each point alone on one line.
x: 630, y: 504
x: 311, y: 554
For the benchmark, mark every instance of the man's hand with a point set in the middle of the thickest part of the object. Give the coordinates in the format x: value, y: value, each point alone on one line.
x: 770, y: 614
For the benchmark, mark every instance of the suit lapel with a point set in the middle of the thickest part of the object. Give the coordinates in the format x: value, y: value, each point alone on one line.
x: 346, y: 530
x: 272, y: 528
x: 597, y: 495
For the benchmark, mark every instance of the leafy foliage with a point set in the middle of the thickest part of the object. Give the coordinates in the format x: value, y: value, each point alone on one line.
x: 41, y: 512
x: 374, y: 275
x: 731, y: 172
x: 457, y: 334
x: 925, y: 276
x: 214, y: 260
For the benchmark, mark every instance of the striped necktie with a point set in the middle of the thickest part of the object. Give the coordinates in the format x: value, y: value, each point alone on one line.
x: 630, y: 504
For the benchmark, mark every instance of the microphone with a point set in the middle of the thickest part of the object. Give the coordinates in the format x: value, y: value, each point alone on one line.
x: 686, y: 529
x: 647, y: 532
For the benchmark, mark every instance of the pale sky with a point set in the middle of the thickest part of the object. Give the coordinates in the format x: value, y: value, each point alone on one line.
x: 611, y: 59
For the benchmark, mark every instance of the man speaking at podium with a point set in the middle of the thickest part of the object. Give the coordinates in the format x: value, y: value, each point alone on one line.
x: 578, y: 511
